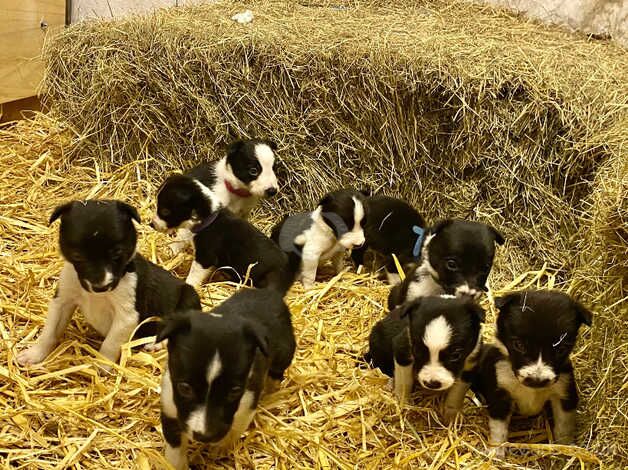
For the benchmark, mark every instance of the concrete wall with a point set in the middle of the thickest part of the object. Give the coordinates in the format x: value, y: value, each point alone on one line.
x: 590, y: 16
x: 85, y: 9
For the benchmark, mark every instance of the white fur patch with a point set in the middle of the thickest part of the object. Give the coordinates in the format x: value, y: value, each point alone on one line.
x: 245, y: 412
x: 267, y: 178
x: 213, y: 369
x: 177, y: 456
x: 108, y: 277
x: 436, y: 337
x: 355, y: 236
x: 466, y: 290
x: 498, y: 430
x: 455, y: 399
x: 197, y: 421
x: 538, y: 370
x: 424, y: 283
x: 168, y: 406
x: 564, y: 423
x: 159, y: 224
x: 197, y: 275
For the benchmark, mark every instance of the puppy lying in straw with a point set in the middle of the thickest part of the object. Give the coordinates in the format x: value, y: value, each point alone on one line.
x: 218, y: 364
x: 528, y: 365
x: 310, y: 238
x: 114, y: 287
x: 431, y: 339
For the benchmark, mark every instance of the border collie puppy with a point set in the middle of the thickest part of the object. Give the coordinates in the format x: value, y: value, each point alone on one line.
x: 432, y: 339
x: 223, y: 240
x: 456, y: 259
x: 393, y: 226
x: 529, y: 364
x: 310, y: 238
x: 114, y: 287
x: 237, y: 181
x: 218, y: 363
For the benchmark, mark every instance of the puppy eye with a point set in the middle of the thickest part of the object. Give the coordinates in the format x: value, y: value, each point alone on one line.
x: 185, y: 390
x: 234, y: 393
x: 455, y: 356
x: 518, y: 345
x: 452, y: 265
x: 253, y: 171
x: 164, y: 212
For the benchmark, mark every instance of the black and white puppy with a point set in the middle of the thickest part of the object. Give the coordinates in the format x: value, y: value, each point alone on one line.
x: 237, y: 181
x: 310, y: 238
x: 456, y: 259
x: 230, y: 243
x: 433, y: 339
x: 218, y: 363
x: 104, y: 277
x: 529, y: 363
x: 393, y: 227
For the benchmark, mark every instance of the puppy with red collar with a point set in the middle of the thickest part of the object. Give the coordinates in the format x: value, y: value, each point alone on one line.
x: 236, y: 182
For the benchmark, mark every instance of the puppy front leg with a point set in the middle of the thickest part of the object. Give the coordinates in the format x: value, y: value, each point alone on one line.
x: 60, y: 311
x: 499, y: 412
x: 197, y: 275
x: 183, y: 238
x: 404, y: 366
x: 564, y: 413
x: 309, y: 265
x: 124, y: 322
x: 337, y: 260
x: 176, y: 448
x: 455, y: 400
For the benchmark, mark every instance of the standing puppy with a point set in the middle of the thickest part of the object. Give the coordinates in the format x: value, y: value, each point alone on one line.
x: 114, y: 287
x: 456, y: 259
x: 393, y: 227
x: 218, y: 363
x: 432, y: 339
x: 529, y: 363
x: 237, y: 181
x: 310, y: 238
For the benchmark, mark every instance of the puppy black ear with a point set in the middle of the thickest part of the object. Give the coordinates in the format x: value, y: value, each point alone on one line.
x: 441, y: 224
x: 234, y: 147
x: 475, y: 309
x: 366, y: 192
x: 173, y: 324
x: 258, y: 337
x: 584, y: 314
x: 503, y: 301
x: 130, y: 210
x: 271, y: 144
x: 59, y: 211
x: 499, y: 238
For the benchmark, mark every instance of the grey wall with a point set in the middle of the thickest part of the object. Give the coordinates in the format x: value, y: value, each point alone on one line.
x: 85, y: 9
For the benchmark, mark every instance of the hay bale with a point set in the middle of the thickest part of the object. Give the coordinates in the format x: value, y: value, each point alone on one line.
x: 464, y: 110
x: 329, y: 413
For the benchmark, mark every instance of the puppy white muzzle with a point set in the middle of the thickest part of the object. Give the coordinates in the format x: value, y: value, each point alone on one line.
x: 435, y: 377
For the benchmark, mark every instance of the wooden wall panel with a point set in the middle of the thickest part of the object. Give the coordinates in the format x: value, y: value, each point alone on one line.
x: 21, y: 40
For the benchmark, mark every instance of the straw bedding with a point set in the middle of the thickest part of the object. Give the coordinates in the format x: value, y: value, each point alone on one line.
x: 462, y: 110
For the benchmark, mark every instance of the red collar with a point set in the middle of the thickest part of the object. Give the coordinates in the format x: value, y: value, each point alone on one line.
x: 237, y: 191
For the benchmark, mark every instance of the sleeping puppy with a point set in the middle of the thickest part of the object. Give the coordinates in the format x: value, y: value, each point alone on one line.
x: 114, y: 287
x: 237, y: 181
x: 393, y: 227
x: 310, y: 238
x: 456, y: 259
x: 529, y: 364
x: 223, y: 240
x: 218, y: 363
x: 433, y: 339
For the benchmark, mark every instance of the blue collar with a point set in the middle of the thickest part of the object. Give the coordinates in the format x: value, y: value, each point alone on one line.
x: 416, y: 251
x: 205, y: 223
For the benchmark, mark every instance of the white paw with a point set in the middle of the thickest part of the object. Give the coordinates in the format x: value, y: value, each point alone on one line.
x: 33, y: 355
x: 390, y: 385
x: 153, y: 347
x: 497, y: 451
x: 307, y: 285
x: 177, y: 247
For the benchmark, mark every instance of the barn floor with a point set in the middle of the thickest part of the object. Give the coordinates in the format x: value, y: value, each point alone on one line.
x: 330, y: 412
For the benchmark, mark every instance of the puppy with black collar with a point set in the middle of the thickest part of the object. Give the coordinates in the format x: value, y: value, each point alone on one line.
x: 114, y: 287
x: 237, y: 182
x: 218, y: 363
x: 393, y: 227
x: 310, y: 238
x: 434, y: 340
x: 529, y: 365
x: 456, y: 257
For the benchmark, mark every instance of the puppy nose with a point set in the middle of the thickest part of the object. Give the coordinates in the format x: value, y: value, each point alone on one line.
x: 535, y: 383
x: 432, y: 384
x: 271, y: 192
x: 151, y: 225
x: 102, y: 287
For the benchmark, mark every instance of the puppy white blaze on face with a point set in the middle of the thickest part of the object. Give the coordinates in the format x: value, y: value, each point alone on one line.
x: 538, y: 371
x: 245, y: 412
x: 197, y: 421
x: 267, y: 178
x: 107, y: 278
x: 434, y: 375
x: 355, y: 237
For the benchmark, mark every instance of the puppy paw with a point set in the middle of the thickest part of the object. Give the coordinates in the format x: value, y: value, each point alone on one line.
x: 450, y: 413
x: 33, y: 355
x: 498, y: 452
x: 390, y: 385
x: 177, y: 247
x: 154, y: 347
